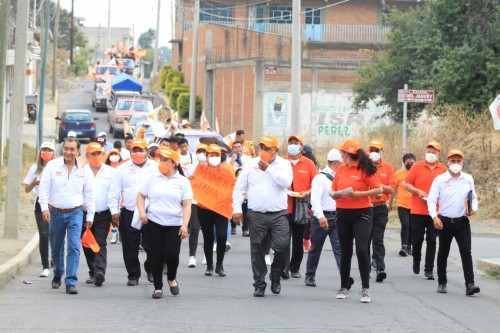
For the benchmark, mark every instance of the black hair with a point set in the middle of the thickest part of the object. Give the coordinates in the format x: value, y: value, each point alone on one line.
x: 70, y: 139
x: 365, y: 163
x: 240, y: 132
x: 235, y: 142
x: 183, y: 141
x: 179, y: 135
x: 409, y: 155
x: 237, y: 172
x: 307, y: 152
x: 129, y: 137
x: 179, y: 168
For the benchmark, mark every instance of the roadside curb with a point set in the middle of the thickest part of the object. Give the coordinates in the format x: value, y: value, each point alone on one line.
x: 15, y: 265
x: 489, y: 265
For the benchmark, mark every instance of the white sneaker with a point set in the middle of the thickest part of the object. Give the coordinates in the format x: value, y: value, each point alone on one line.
x: 365, y: 295
x: 204, y: 262
x: 192, y: 262
x: 114, y: 237
x: 268, y: 260
x: 228, y: 246
x: 215, y: 247
x: 343, y: 293
x: 45, y: 273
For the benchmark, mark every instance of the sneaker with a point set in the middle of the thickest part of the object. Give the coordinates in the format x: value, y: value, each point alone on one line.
x: 268, y: 260
x: 215, y: 247
x: 233, y: 231
x: 228, y: 246
x: 404, y: 251
x: 365, y: 295
x: 245, y: 233
x: 429, y: 275
x: 204, y: 261
x: 45, y: 273
x: 192, y: 262
x: 343, y: 293
x: 114, y: 237
x: 307, y: 245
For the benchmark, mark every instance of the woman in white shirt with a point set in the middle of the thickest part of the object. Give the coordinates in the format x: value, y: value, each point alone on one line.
x: 31, y: 185
x: 165, y: 217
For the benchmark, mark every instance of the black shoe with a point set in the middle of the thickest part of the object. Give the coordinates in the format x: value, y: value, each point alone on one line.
x: 56, y: 282
x: 245, y: 233
x: 285, y: 275
x: 351, y: 282
x: 233, y: 231
x: 175, y: 289
x: 132, y: 282
x: 429, y: 275
x: 409, y: 251
x: 310, y: 282
x: 219, y: 270
x: 381, y: 275
x: 416, y: 267
x: 442, y: 288
x: 295, y: 275
x: 90, y: 280
x: 210, y: 270
x: 99, y: 279
x: 150, y: 277
x: 472, y: 289
x: 259, y: 292
x: 157, y: 294
x: 71, y: 290
x: 275, y: 284
x: 404, y: 251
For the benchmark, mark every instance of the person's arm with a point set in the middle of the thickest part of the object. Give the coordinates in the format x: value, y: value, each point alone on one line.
x: 186, y: 214
x: 413, y: 190
x: 88, y: 197
x: 474, y: 207
x: 141, y: 199
x: 316, y: 194
x: 114, y: 195
x: 281, y: 173
x: 31, y: 179
x: 432, y: 201
x: 44, y: 191
x: 392, y: 196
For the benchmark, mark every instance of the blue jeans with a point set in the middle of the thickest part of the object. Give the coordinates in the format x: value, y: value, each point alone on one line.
x: 60, y: 225
x: 318, y: 237
x: 228, y: 233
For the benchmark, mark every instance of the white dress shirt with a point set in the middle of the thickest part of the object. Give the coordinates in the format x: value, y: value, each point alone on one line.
x: 320, y: 199
x: 165, y: 198
x: 266, y: 190
x: 187, y: 161
x: 65, y: 190
x: 125, y: 154
x: 126, y: 182
x: 245, y: 160
x: 32, y: 176
x: 451, y: 194
x: 101, y: 183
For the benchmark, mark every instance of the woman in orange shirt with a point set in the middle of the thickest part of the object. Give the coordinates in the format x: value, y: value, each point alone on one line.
x: 355, y: 181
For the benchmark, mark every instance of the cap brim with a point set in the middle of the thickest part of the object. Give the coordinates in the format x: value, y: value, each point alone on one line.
x: 211, y: 140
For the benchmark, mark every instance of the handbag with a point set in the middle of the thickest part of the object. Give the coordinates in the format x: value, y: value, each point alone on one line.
x: 300, y: 210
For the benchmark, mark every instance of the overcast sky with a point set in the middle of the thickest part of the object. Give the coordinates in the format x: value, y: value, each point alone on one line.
x: 138, y: 15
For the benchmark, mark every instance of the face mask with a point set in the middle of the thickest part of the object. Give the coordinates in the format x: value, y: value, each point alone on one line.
x: 408, y: 166
x: 163, y: 167
x: 374, y: 156
x: 114, y: 158
x: 94, y: 161
x: 293, y: 149
x: 46, y: 155
x: 455, y: 168
x: 431, y: 158
x: 201, y: 157
x: 138, y: 158
x: 265, y: 156
x: 152, y: 153
x: 214, y: 160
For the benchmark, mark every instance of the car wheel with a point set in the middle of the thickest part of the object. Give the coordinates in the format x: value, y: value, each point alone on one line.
x: 115, y: 135
x: 92, y: 139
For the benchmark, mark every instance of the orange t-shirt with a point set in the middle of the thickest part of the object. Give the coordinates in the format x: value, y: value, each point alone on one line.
x: 346, y: 177
x: 421, y: 177
x: 140, y: 133
x: 404, y: 197
x: 385, y: 173
x: 303, y: 173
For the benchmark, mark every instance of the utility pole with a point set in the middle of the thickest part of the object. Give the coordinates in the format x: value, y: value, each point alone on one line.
x: 157, y: 35
x: 16, y: 121
x: 405, y: 116
x: 194, y: 63
x: 4, y: 38
x: 54, y: 54
x: 72, y: 32
x: 296, y: 67
x: 109, y: 23
x: 45, y: 46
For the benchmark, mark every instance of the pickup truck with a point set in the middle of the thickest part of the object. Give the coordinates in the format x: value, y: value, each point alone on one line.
x: 123, y: 104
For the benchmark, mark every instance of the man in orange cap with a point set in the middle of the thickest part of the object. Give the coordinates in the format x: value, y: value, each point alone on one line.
x: 385, y: 173
x: 265, y: 181
x: 418, y: 183
x: 126, y: 180
x: 455, y: 194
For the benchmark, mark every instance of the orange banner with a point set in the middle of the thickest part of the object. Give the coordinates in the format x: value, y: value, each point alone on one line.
x: 214, y: 189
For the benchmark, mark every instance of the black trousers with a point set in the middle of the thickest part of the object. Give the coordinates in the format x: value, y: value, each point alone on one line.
x: 460, y: 230
x: 354, y: 224
x: 209, y: 219
x: 244, y: 224
x: 406, y: 231
x: 97, y: 262
x: 380, y: 219
x: 297, y: 238
x: 131, y: 239
x: 194, y: 230
x: 44, y: 233
x: 262, y: 227
x: 165, y: 244
x: 423, y: 225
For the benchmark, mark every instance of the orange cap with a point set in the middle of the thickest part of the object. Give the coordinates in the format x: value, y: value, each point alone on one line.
x: 213, y: 148
x: 376, y: 143
x: 434, y: 144
x: 269, y: 141
x: 93, y: 147
x: 140, y: 143
x: 295, y: 137
x: 202, y: 146
x: 114, y: 151
x: 455, y: 151
x: 169, y: 153
x: 349, y: 146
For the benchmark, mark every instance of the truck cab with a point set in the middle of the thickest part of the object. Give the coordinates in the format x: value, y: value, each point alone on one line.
x: 123, y: 104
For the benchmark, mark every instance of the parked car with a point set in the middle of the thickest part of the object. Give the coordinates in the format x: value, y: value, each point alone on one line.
x: 100, y: 98
x: 79, y: 121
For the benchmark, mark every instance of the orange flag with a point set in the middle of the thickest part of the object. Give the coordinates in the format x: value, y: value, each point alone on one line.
x: 90, y: 72
x: 217, y: 125
x: 204, y: 124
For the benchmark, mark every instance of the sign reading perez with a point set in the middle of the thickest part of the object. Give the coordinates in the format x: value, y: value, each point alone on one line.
x: 415, y: 96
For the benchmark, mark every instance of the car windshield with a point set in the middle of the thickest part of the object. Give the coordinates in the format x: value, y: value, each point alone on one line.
x: 77, y: 116
x: 138, y: 105
x: 128, y: 63
x: 138, y: 119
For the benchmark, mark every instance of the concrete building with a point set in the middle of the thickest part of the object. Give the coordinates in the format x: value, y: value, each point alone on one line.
x: 244, y: 63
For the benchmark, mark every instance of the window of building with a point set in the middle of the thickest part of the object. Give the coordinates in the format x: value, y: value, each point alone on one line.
x: 313, y: 16
x: 280, y: 14
x: 216, y: 12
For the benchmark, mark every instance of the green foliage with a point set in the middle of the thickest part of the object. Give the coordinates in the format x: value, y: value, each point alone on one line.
x: 81, y: 61
x: 174, y: 94
x: 149, y: 57
x: 146, y: 39
x: 175, y: 83
x: 183, y: 104
x: 163, y: 75
x: 172, y: 74
x: 449, y: 46
x: 64, y: 35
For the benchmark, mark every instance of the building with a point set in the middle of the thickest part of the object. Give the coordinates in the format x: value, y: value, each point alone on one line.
x: 244, y: 62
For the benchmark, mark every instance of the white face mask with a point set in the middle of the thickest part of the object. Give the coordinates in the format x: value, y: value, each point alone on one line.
x: 114, y: 158
x: 431, y: 158
x: 455, y: 168
x: 201, y: 157
x: 214, y: 160
x: 374, y: 156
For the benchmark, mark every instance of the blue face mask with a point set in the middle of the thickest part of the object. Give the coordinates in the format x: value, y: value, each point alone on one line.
x: 293, y: 149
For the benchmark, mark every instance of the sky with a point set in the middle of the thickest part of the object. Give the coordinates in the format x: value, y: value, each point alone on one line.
x: 138, y: 15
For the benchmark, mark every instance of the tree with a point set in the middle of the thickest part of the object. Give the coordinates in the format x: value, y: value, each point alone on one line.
x: 146, y: 39
x: 64, y: 36
x: 450, y: 46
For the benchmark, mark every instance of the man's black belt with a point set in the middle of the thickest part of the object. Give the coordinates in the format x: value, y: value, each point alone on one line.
x: 452, y: 219
x: 103, y: 212
x: 64, y: 210
x: 329, y: 212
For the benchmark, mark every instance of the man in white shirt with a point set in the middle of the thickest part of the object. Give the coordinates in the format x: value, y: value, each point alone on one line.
x: 64, y: 188
x: 455, y: 194
x: 102, y: 174
x: 187, y: 158
x: 266, y: 181
x: 124, y: 188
